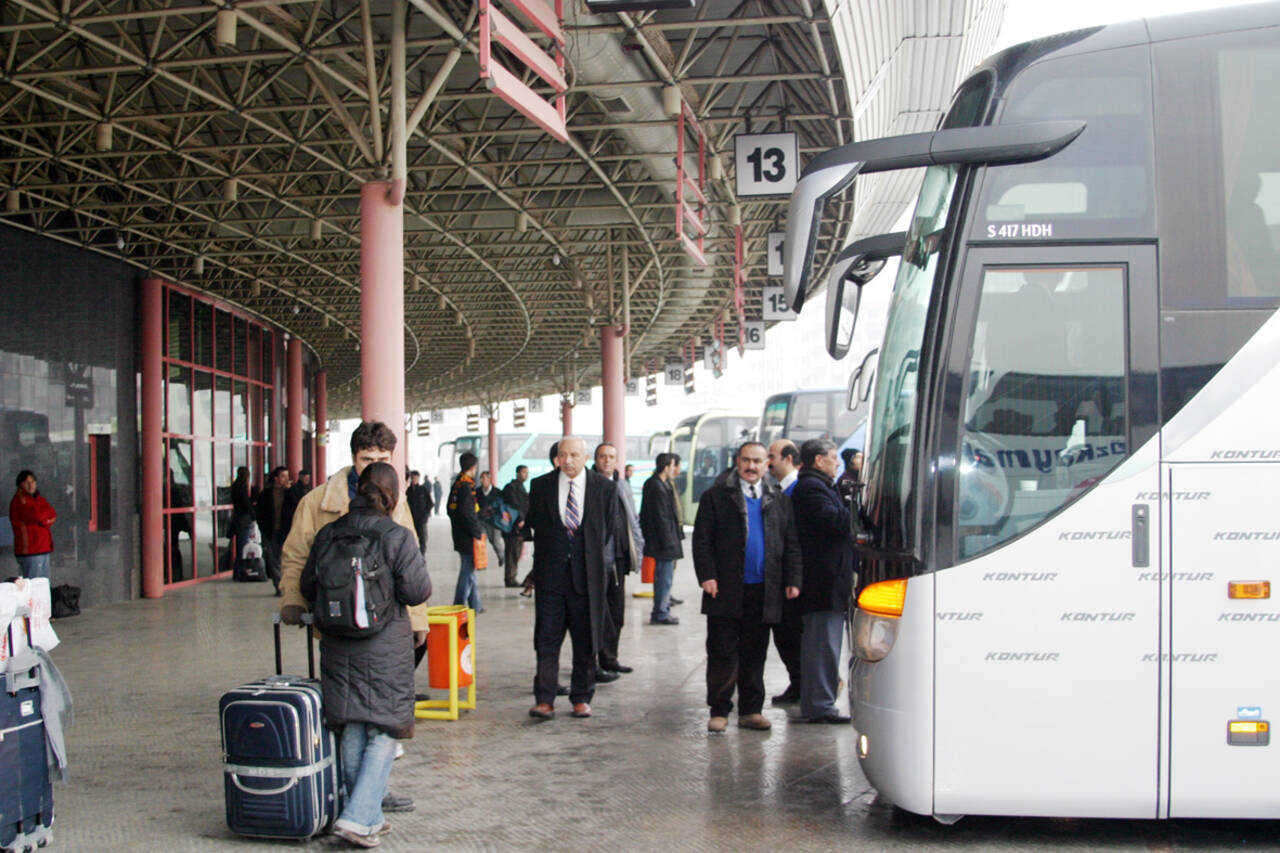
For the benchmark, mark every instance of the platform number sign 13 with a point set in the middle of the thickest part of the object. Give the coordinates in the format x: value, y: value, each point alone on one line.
x: 775, y: 304
x: 766, y: 163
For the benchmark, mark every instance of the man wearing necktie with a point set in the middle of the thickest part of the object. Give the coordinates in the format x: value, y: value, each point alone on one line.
x: 572, y: 512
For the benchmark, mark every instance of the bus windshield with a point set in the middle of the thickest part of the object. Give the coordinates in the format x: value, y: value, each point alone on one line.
x: 888, y: 455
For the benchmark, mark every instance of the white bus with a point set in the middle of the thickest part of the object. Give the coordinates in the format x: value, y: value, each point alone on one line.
x: 1069, y: 590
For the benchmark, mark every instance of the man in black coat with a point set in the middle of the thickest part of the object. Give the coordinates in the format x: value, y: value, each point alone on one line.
x: 572, y: 513
x: 419, y: 499
x: 516, y: 496
x: 660, y: 524
x: 464, y: 521
x: 747, y: 558
x: 826, y: 544
x: 269, y: 513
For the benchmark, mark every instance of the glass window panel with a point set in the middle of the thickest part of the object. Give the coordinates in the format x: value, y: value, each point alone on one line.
x: 202, y: 404
x: 178, y: 472
x: 240, y: 411
x: 222, y: 333
x: 203, y: 333
x: 178, y: 400
x: 178, y: 339
x: 259, y: 465
x: 254, y: 343
x: 1045, y: 410
x: 255, y: 413
x: 238, y: 346
x: 207, y: 542
x: 268, y: 353
x: 239, y: 456
x: 202, y: 478
x: 223, y: 473
x: 222, y: 407
x: 268, y: 416
x: 178, y: 550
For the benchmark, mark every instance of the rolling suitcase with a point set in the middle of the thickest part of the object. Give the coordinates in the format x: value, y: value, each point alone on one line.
x: 26, y: 792
x: 280, y: 762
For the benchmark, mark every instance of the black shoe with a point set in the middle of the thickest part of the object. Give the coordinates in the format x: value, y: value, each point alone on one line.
x: 561, y: 690
x: 790, y: 696
x: 673, y: 600
x: 663, y: 620
x: 604, y: 676
x: 513, y: 584
x: 831, y: 719
x: 394, y: 803
x: 422, y: 697
x: 621, y: 668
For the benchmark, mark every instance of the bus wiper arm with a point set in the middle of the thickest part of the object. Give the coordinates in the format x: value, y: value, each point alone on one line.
x: 832, y: 171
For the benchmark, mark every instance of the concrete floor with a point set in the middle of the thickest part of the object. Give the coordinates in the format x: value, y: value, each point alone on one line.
x: 642, y: 774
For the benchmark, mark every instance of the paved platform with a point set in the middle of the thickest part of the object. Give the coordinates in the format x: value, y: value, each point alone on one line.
x: 642, y: 774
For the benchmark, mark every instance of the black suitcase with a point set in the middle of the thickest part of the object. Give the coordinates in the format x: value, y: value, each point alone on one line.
x: 26, y: 791
x: 280, y: 762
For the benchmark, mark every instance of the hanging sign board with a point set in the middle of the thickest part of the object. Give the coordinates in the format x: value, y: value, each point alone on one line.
x: 437, y: 416
x: 775, y: 304
x: 766, y: 163
x: 633, y: 387
x: 673, y: 373
x: 582, y: 397
x: 535, y: 404
x: 753, y: 334
x: 774, y: 254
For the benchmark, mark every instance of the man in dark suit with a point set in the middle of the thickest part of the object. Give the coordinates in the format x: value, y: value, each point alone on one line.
x: 516, y: 496
x: 572, y: 513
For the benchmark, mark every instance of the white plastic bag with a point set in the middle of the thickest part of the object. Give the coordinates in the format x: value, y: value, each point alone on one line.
x: 32, y: 593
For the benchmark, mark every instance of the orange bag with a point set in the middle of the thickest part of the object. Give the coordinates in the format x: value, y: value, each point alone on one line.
x: 647, y: 567
x: 480, y: 552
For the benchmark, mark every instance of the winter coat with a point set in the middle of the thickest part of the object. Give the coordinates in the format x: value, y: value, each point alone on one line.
x: 826, y: 543
x: 420, y: 502
x: 31, y: 517
x: 320, y: 507
x: 720, y: 548
x: 659, y: 522
x: 463, y: 512
x: 516, y: 496
x: 370, y: 679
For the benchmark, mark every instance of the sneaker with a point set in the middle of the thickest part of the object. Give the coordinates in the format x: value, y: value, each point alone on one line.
x: 371, y: 840
x: 396, y: 803
x: 754, y: 721
x: 717, y: 724
x: 673, y: 600
x: 663, y: 620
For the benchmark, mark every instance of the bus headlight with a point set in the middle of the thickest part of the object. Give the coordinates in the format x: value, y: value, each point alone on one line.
x: 873, y: 636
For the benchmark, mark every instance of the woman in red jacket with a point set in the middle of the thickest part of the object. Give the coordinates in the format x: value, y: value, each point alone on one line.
x: 31, y: 517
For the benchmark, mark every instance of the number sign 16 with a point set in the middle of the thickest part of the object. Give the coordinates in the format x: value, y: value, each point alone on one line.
x: 766, y: 163
x: 753, y: 334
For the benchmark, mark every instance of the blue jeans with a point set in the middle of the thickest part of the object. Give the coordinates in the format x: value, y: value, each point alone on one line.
x: 367, y: 753
x: 468, y: 589
x: 34, y: 566
x: 663, y: 571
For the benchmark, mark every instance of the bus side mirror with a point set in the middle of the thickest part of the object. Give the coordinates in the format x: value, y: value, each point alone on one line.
x: 856, y: 265
x: 862, y: 380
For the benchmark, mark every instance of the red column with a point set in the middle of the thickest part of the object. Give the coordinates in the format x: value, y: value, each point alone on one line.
x: 382, y: 310
x: 151, y: 445
x: 613, y: 391
x: 293, y: 415
x: 566, y: 417
x: 494, y: 461
x: 320, y: 474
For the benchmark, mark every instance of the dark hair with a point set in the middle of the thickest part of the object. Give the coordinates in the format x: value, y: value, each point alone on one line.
x: 846, y: 455
x: 486, y: 474
x: 813, y: 448
x: 741, y: 447
x: 553, y: 453
x: 22, y: 477
x: 466, y: 462
x: 675, y: 457
x: 380, y: 485
x: 242, y: 475
x: 275, y: 472
x: 372, y: 435
x: 414, y: 474
x: 660, y: 462
x: 520, y: 468
x: 304, y: 472
x: 788, y: 450
x: 596, y: 452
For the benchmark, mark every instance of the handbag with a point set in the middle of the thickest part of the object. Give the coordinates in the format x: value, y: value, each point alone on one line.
x: 480, y: 552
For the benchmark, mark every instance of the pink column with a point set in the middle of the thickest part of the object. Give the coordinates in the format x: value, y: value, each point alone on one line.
x: 614, y: 391
x: 494, y: 461
x: 151, y: 445
x: 319, y: 474
x: 382, y: 310
x: 293, y: 415
x: 566, y: 417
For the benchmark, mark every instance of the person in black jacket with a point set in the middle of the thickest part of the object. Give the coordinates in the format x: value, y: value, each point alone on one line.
x: 572, y: 514
x: 747, y: 558
x: 269, y: 513
x: 660, y: 525
x: 465, y: 523
x: 826, y: 544
x: 516, y: 496
x: 419, y: 499
x: 368, y: 681
x: 488, y: 497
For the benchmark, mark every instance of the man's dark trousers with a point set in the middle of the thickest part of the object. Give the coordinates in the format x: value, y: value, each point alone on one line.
x: 554, y: 611
x: 513, y: 543
x: 736, y: 652
x: 615, y: 600
x: 422, y: 535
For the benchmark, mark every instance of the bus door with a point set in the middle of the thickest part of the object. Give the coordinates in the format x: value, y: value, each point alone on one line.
x: 1046, y: 532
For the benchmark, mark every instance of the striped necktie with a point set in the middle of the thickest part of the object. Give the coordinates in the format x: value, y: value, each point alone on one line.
x: 571, y: 516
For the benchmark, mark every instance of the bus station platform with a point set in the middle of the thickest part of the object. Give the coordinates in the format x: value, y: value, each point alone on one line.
x: 642, y: 774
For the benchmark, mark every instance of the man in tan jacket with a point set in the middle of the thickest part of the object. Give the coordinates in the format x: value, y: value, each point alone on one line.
x: 372, y: 442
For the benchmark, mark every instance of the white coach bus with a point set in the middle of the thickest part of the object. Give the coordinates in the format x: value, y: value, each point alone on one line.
x: 1069, y: 591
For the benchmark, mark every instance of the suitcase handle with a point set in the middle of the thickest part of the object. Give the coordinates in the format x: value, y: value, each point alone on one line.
x: 307, y: 620
x: 262, y: 792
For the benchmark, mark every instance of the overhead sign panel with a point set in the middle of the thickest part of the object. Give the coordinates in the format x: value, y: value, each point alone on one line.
x: 774, y: 254
x: 673, y: 373
x: 753, y: 334
x: 766, y: 163
x: 775, y: 304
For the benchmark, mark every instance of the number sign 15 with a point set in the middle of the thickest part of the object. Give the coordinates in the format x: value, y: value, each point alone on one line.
x: 775, y: 304
x: 766, y: 163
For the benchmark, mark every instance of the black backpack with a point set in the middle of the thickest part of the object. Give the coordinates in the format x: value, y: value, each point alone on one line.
x: 345, y: 558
